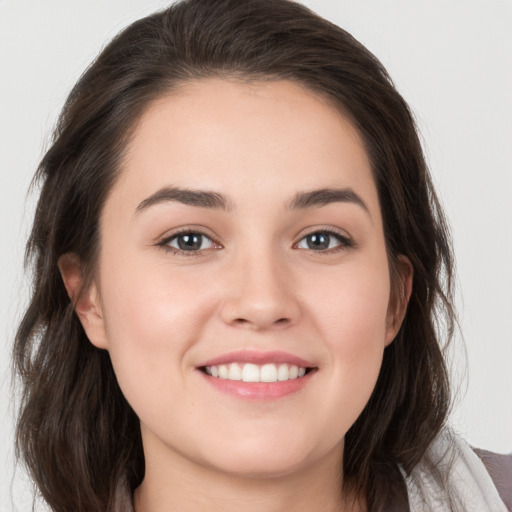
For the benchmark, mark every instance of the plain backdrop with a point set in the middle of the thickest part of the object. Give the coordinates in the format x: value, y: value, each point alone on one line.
x: 452, y: 61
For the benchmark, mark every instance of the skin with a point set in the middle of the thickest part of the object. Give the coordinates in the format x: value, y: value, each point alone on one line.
x: 254, y: 284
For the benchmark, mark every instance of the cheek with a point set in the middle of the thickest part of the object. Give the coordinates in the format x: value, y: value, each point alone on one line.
x: 150, y: 303
x: 351, y: 309
x: 353, y: 321
x: 152, y: 318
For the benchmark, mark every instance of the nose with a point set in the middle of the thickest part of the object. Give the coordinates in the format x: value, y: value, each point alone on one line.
x: 261, y: 294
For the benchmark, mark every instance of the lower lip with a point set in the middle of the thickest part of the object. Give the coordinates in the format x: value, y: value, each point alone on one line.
x: 258, y: 390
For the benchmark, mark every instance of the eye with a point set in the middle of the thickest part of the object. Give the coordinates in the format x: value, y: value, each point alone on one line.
x: 188, y: 242
x: 323, y: 241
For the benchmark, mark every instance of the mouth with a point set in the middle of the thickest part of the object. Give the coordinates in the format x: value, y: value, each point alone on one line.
x: 258, y: 375
x: 250, y: 372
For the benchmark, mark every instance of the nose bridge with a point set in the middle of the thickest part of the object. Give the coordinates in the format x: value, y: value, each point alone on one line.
x: 260, y: 294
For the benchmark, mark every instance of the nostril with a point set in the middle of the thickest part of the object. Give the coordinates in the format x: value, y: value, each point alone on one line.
x: 243, y: 322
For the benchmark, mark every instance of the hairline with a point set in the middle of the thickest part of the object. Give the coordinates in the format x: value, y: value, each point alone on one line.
x: 176, y: 86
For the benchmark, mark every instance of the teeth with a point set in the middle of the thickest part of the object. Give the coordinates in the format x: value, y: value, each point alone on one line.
x: 283, y: 372
x: 268, y: 373
x: 249, y: 372
x: 223, y: 371
x: 234, y: 373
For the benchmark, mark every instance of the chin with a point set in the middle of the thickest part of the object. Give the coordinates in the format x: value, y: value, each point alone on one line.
x: 266, y: 458
x: 262, y: 467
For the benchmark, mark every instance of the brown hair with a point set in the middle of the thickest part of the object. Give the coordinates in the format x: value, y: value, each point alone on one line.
x: 76, y: 433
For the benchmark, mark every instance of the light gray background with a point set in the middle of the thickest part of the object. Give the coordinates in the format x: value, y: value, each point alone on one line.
x: 452, y: 60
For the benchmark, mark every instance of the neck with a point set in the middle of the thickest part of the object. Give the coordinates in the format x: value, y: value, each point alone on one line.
x: 173, y: 483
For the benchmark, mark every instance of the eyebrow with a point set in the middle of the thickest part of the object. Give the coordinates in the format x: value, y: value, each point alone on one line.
x: 325, y: 196
x: 199, y: 198
x: 214, y: 200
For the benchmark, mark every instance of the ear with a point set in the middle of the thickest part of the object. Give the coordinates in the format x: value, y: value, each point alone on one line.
x: 401, y: 282
x: 85, y: 301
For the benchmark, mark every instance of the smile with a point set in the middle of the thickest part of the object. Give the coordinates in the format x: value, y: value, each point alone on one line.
x: 258, y: 375
x: 250, y: 372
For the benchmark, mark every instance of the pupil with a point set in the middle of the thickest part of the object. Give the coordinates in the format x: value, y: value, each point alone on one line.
x: 189, y: 242
x: 318, y: 241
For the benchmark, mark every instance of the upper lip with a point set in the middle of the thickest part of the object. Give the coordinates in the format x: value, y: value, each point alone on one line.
x: 257, y: 357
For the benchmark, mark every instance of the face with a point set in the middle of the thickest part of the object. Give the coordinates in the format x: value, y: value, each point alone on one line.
x: 243, y: 287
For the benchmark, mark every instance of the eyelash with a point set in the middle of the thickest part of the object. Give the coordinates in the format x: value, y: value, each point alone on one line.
x: 164, y: 244
x: 344, y: 242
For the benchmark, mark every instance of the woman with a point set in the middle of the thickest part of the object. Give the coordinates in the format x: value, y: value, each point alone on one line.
x: 238, y: 255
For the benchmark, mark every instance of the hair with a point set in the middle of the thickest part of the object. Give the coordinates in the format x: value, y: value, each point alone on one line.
x: 76, y: 433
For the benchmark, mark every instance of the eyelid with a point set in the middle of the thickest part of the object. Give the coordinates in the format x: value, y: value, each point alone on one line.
x: 164, y: 240
x: 346, y: 241
x: 188, y: 228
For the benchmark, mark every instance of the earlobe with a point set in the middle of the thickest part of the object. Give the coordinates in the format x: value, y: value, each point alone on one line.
x: 86, y: 302
x: 402, y: 289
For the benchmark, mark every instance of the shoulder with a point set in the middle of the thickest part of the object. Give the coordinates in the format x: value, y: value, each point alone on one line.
x: 452, y: 473
x: 499, y: 468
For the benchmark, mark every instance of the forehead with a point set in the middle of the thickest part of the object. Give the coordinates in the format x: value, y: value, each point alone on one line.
x: 273, y: 137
